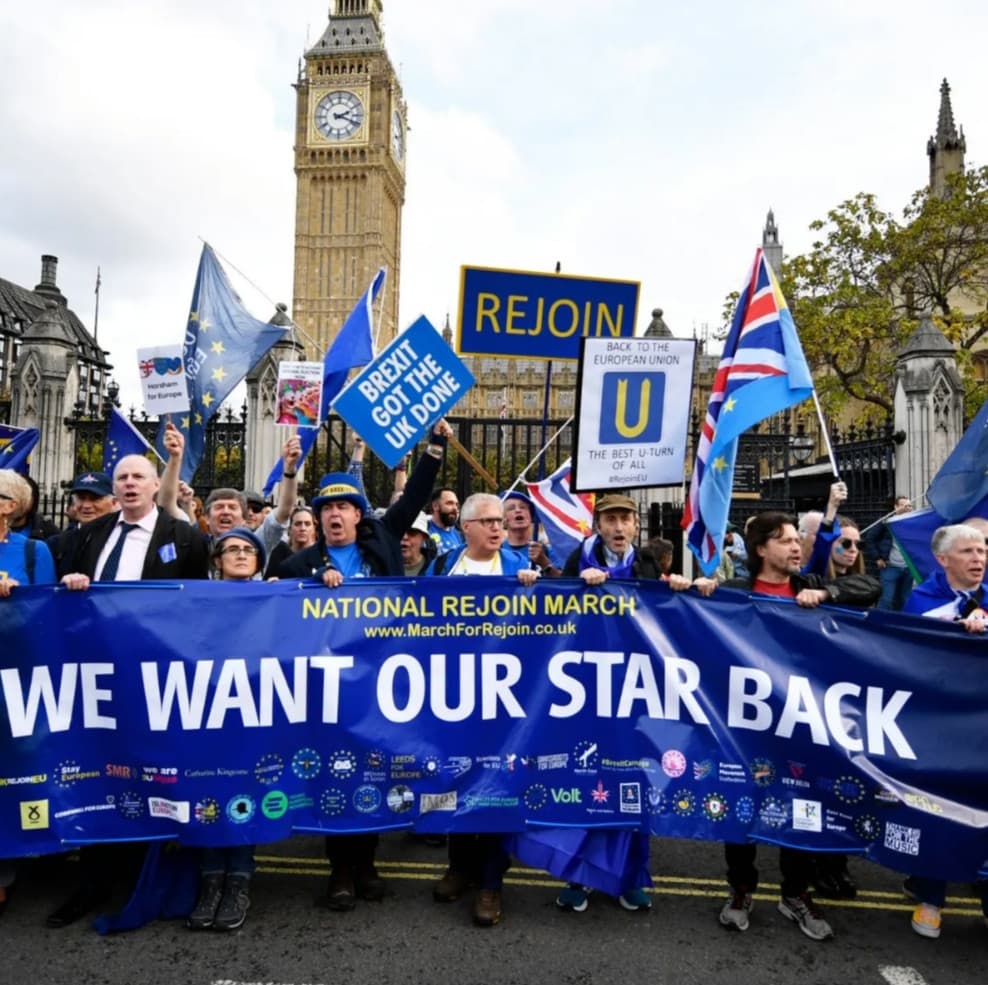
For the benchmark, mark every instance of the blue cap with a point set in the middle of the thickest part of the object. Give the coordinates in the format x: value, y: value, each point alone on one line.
x: 96, y: 483
x: 242, y: 533
x: 339, y: 485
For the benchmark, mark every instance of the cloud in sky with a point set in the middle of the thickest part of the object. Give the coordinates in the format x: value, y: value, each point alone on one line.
x: 626, y: 139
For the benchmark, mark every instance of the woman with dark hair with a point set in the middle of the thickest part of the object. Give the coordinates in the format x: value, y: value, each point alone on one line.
x: 225, y: 872
x: 300, y: 535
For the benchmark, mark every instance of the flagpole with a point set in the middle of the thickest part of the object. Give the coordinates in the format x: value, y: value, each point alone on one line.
x: 541, y: 452
x: 96, y: 312
x: 826, y: 435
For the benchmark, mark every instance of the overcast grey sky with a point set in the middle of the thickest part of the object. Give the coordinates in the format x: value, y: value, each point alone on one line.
x: 628, y: 139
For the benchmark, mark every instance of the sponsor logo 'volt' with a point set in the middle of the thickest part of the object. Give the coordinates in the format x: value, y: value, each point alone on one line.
x: 570, y: 796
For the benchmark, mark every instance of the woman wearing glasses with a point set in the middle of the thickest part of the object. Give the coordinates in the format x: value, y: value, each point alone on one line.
x: 22, y: 562
x: 224, y: 873
x: 832, y: 878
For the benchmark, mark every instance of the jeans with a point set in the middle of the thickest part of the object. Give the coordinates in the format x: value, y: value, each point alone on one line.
x: 896, y: 584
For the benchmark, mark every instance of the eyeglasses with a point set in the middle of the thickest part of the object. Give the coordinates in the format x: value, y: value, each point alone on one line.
x: 488, y: 521
x: 847, y: 543
x: 9, y: 499
x: 237, y: 549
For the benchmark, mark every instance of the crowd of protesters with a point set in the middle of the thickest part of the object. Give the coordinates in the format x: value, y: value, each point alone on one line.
x: 136, y: 525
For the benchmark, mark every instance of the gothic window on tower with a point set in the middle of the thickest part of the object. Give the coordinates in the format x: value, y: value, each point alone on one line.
x: 941, y: 405
x: 530, y: 399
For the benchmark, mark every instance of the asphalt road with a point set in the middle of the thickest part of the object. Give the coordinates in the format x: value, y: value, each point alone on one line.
x: 290, y: 940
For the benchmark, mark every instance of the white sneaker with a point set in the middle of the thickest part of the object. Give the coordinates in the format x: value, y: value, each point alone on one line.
x: 734, y: 914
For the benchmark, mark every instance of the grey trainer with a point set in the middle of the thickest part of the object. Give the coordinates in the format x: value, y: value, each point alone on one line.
x: 802, y: 910
x: 734, y: 914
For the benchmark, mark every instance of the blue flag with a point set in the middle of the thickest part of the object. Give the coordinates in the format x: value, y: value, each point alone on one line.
x: 15, y: 446
x: 962, y: 481
x: 222, y: 342
x: 123, y: 439
x: 762, y: 371
x: 352, y: 347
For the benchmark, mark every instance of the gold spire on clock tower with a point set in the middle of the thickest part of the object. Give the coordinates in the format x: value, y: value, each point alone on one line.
x: 350, y: 130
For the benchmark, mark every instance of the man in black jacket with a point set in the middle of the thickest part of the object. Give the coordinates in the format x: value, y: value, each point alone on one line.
x: 138, y: 543
x: 610, y: 551
x: 352, y: 543
x: 774, y: 560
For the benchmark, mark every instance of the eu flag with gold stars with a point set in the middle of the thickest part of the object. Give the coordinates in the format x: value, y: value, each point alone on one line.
x: 222, y: 342
x: 15, y: 446
x: 762, y: 371
x: 123, y: 439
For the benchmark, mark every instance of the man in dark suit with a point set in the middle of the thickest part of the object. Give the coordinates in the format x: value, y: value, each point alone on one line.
x: 141, y: 542
x: 138, y: 543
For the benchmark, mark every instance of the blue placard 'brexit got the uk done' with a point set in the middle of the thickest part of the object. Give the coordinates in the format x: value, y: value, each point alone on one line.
x: 404, y: 391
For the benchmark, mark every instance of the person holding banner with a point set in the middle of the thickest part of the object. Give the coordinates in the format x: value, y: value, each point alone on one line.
x: 609, y: 552
x: 225, y: 873
x: 479, y: 859
x: 353, y: 543
x: 615, y: 861
x: 138, y: 543
x: 955, y: 591
x: 774, y: 563
x: 22, y: 562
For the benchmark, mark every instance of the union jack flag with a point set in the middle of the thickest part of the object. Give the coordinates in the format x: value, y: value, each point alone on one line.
x: 762, y: 371
x: 566, y: 516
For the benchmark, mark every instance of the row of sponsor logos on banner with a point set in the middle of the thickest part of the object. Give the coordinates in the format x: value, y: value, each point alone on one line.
x: 379, y: 787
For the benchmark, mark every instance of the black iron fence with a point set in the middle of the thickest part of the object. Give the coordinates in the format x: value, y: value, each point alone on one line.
x: 502, y: 448
x: 779, y: 465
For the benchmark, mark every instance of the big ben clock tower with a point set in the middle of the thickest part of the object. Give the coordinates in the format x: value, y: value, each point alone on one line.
x: 350, y: 132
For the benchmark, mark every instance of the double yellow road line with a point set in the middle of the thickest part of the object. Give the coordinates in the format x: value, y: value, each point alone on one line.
x: 662, y: 886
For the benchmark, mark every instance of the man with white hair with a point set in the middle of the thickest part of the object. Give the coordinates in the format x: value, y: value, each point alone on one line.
x: 954, y: 591
x: 479, y: 859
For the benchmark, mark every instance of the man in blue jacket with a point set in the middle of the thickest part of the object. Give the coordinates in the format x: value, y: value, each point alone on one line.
x: 956, y: 592
x: 353, y: 543
x: 479, y: 859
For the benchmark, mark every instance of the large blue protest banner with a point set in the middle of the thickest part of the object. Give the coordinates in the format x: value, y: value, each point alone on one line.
x: 394, y: 400
x: 540, y: 316
x: 219, y: 714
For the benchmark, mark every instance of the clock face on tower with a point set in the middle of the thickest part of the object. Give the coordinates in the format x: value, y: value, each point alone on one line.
x: 397, y: 136
x: 339, y: 114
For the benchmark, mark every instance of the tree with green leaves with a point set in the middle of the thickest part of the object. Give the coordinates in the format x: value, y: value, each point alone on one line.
x: 859, y: 293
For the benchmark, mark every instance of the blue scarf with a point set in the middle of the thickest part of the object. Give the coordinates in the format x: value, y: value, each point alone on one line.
x: 588, y: 559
